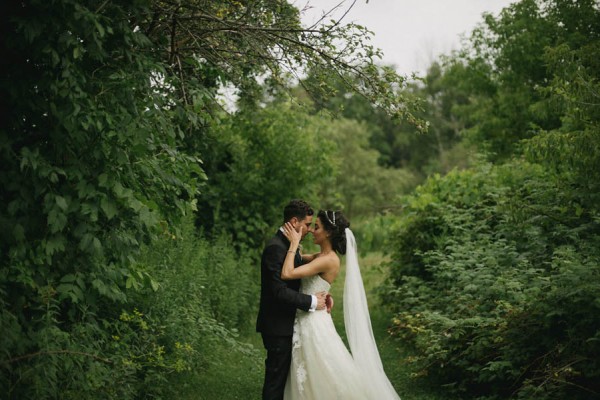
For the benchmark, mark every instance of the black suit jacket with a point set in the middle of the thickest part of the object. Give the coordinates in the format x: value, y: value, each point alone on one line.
x: 279, y: 299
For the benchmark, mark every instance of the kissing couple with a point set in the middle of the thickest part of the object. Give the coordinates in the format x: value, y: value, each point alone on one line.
x: 306, y: 358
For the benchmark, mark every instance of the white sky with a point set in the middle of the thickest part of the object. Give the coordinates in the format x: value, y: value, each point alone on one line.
x: 412, y: 34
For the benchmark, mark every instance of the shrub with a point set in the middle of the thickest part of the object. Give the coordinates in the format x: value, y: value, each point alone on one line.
x: 495, y: 280
x: 186, y: 294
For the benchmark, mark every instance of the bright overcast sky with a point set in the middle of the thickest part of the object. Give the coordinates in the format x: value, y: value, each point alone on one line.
x: 411, y: 33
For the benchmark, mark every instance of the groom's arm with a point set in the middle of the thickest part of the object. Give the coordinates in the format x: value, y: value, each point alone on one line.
x: 272, y: 260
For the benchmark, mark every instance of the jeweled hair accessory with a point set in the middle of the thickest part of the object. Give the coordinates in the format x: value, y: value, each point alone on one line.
x: 328, y: 219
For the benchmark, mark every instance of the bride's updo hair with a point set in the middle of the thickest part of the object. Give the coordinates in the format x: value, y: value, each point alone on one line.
x: 335, y: 223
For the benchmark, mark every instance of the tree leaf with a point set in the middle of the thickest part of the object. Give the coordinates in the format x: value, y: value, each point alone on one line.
x: 108, y: 207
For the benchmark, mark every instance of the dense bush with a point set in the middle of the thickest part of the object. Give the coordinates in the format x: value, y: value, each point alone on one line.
x: 495, y: 280
x: 206, y: 295
x: 495, y: 271
x: 202, y: 273
x: 188, y: 295
x: 90, y: 168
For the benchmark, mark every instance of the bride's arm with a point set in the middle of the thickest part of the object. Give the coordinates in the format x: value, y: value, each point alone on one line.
x: 316, y: 266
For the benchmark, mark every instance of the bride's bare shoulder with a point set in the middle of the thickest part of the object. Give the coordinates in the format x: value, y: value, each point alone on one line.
x: 332, y: 259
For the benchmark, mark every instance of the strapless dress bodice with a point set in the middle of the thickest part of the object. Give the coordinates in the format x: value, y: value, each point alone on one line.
x: 314, y: 284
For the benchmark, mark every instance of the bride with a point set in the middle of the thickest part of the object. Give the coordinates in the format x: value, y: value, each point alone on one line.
x: 322, y: 367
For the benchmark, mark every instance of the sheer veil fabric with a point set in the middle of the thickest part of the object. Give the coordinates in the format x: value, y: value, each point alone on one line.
x: 358, y: 327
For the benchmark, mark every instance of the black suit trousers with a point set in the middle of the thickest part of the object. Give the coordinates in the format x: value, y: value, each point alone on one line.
x: 277, y: 365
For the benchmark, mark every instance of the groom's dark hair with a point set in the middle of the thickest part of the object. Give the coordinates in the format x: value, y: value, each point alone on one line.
x: 296, y: 208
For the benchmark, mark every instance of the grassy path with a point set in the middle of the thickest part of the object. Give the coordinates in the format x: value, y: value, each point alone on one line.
x: 234, y: 375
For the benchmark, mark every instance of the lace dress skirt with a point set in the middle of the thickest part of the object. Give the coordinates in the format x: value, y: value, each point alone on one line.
x: 322, y: 367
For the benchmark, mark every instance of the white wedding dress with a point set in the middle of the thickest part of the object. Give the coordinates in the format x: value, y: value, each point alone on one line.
x: 322, y: 367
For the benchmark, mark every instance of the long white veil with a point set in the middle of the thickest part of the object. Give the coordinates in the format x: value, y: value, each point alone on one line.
x: 358, y: 326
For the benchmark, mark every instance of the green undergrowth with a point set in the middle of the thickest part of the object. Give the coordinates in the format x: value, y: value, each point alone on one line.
x: 231, y: 374
x: 228, y: 375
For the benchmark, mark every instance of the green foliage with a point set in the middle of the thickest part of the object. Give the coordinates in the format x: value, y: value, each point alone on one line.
x: 399, y: 143
x: 495, y: 280
x: 240, y: 41
x: 91, y: 167
x: 372, y: 233
x: 109, y: 113
x: 205, y: 295
x: 495, y: 269
x: 260, y: 160
x: 506, y: 70
x: 394, y: 139
x: 200, y: 295
x: 573, y: 149
x: 207, y: 279
x: 359, y: 186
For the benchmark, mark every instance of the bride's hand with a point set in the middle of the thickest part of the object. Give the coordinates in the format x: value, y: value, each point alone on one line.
x: 291, y: 233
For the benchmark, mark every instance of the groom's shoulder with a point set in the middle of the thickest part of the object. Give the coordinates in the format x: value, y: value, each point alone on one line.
x: 275, y: 240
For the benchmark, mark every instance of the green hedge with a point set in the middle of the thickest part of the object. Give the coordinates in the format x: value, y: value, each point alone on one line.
x: 495, y: 281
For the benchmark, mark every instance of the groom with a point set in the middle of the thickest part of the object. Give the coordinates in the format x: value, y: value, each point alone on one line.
x: 279, y: 300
